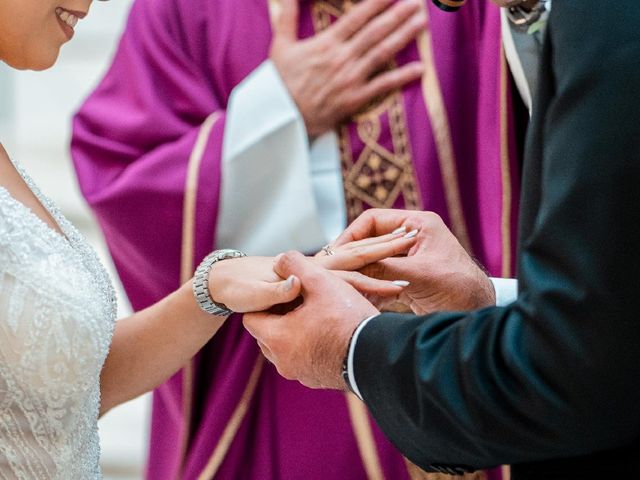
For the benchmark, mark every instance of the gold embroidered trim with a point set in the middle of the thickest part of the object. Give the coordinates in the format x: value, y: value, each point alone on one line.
x: 190, y: 197
x: 436, y: 109
x: 235, y: 421
x: 505, y: 161
x: 507, y: 194
x: 364, y: 437
x: 187, y: 266
x: 415, y: 473
x: 378, y: 177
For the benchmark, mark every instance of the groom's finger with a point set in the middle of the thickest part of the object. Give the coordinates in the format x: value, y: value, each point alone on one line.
x: 314, y: 277
x: 259, y: 325
x: 374, y: 240
x: 372, y: 286
x: 265, y: 351
x: 372, y: 223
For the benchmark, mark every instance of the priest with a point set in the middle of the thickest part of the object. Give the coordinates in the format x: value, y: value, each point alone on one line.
x: 267, y: 126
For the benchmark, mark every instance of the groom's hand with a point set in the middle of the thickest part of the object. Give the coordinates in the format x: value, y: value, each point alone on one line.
x: 442, y: 274
x: 309, y: 343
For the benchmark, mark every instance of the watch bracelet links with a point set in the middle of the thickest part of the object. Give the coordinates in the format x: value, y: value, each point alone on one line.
x: 200, y: 283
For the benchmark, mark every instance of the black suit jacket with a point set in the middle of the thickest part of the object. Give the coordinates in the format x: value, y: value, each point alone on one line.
x: 549, y: 384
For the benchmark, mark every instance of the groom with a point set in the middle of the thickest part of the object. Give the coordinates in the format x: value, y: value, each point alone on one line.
x: 550, y: 382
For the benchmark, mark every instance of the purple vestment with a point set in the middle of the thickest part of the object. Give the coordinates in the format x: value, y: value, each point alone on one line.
x: 443, y: 144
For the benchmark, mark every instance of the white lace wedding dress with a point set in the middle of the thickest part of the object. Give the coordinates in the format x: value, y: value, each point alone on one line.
x: 57, y: 310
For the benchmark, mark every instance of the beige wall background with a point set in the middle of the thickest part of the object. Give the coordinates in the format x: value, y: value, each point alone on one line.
x: 35, y: 117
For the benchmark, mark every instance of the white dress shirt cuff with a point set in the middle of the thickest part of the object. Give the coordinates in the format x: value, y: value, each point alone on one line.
x: 350, y: 355
x: 506, y: 290
x: 506, y: 293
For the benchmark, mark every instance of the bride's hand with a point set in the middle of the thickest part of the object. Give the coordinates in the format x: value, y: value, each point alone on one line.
x: 249, y: 284
x: 346, y: 260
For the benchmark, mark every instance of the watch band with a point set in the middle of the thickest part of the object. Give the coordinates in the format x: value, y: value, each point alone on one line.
x: 201, y: 282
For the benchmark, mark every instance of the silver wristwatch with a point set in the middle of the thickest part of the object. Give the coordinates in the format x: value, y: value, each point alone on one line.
x: 201, y: 281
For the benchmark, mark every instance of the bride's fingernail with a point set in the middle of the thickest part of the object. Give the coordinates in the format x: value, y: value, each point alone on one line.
x: 401, y: 283
x: 289, y: 283
x: 411, y: 234
x: 398, y: 231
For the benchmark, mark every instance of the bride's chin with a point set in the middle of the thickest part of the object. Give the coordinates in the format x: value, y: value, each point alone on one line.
x: 39, y: 61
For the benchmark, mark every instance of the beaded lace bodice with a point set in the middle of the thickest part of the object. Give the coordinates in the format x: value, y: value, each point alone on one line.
x: 57, y: 310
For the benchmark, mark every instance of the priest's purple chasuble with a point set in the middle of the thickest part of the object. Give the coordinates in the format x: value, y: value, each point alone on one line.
x: 147, y: 147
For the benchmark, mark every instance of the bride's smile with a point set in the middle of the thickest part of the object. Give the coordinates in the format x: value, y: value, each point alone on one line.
x: 33, y: 31
x: 68, y: 19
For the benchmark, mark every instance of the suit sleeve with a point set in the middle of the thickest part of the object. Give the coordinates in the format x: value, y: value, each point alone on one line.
x: 555, y: 373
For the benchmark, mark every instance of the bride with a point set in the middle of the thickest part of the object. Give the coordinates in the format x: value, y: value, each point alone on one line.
x: 63, y: 359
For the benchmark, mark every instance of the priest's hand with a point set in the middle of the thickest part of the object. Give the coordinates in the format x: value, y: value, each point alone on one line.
x: 441, y: 273
x: 335, y: 73
x: 309, y: 343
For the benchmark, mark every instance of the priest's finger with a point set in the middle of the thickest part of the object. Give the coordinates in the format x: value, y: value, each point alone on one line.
x: 383, y: 26
x: 388, y: 81
x: 351, y: 22
x: 286, y: 23
x: 378, y: 55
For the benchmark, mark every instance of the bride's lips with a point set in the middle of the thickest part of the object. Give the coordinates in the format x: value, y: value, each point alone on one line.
x: 67, y: 19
